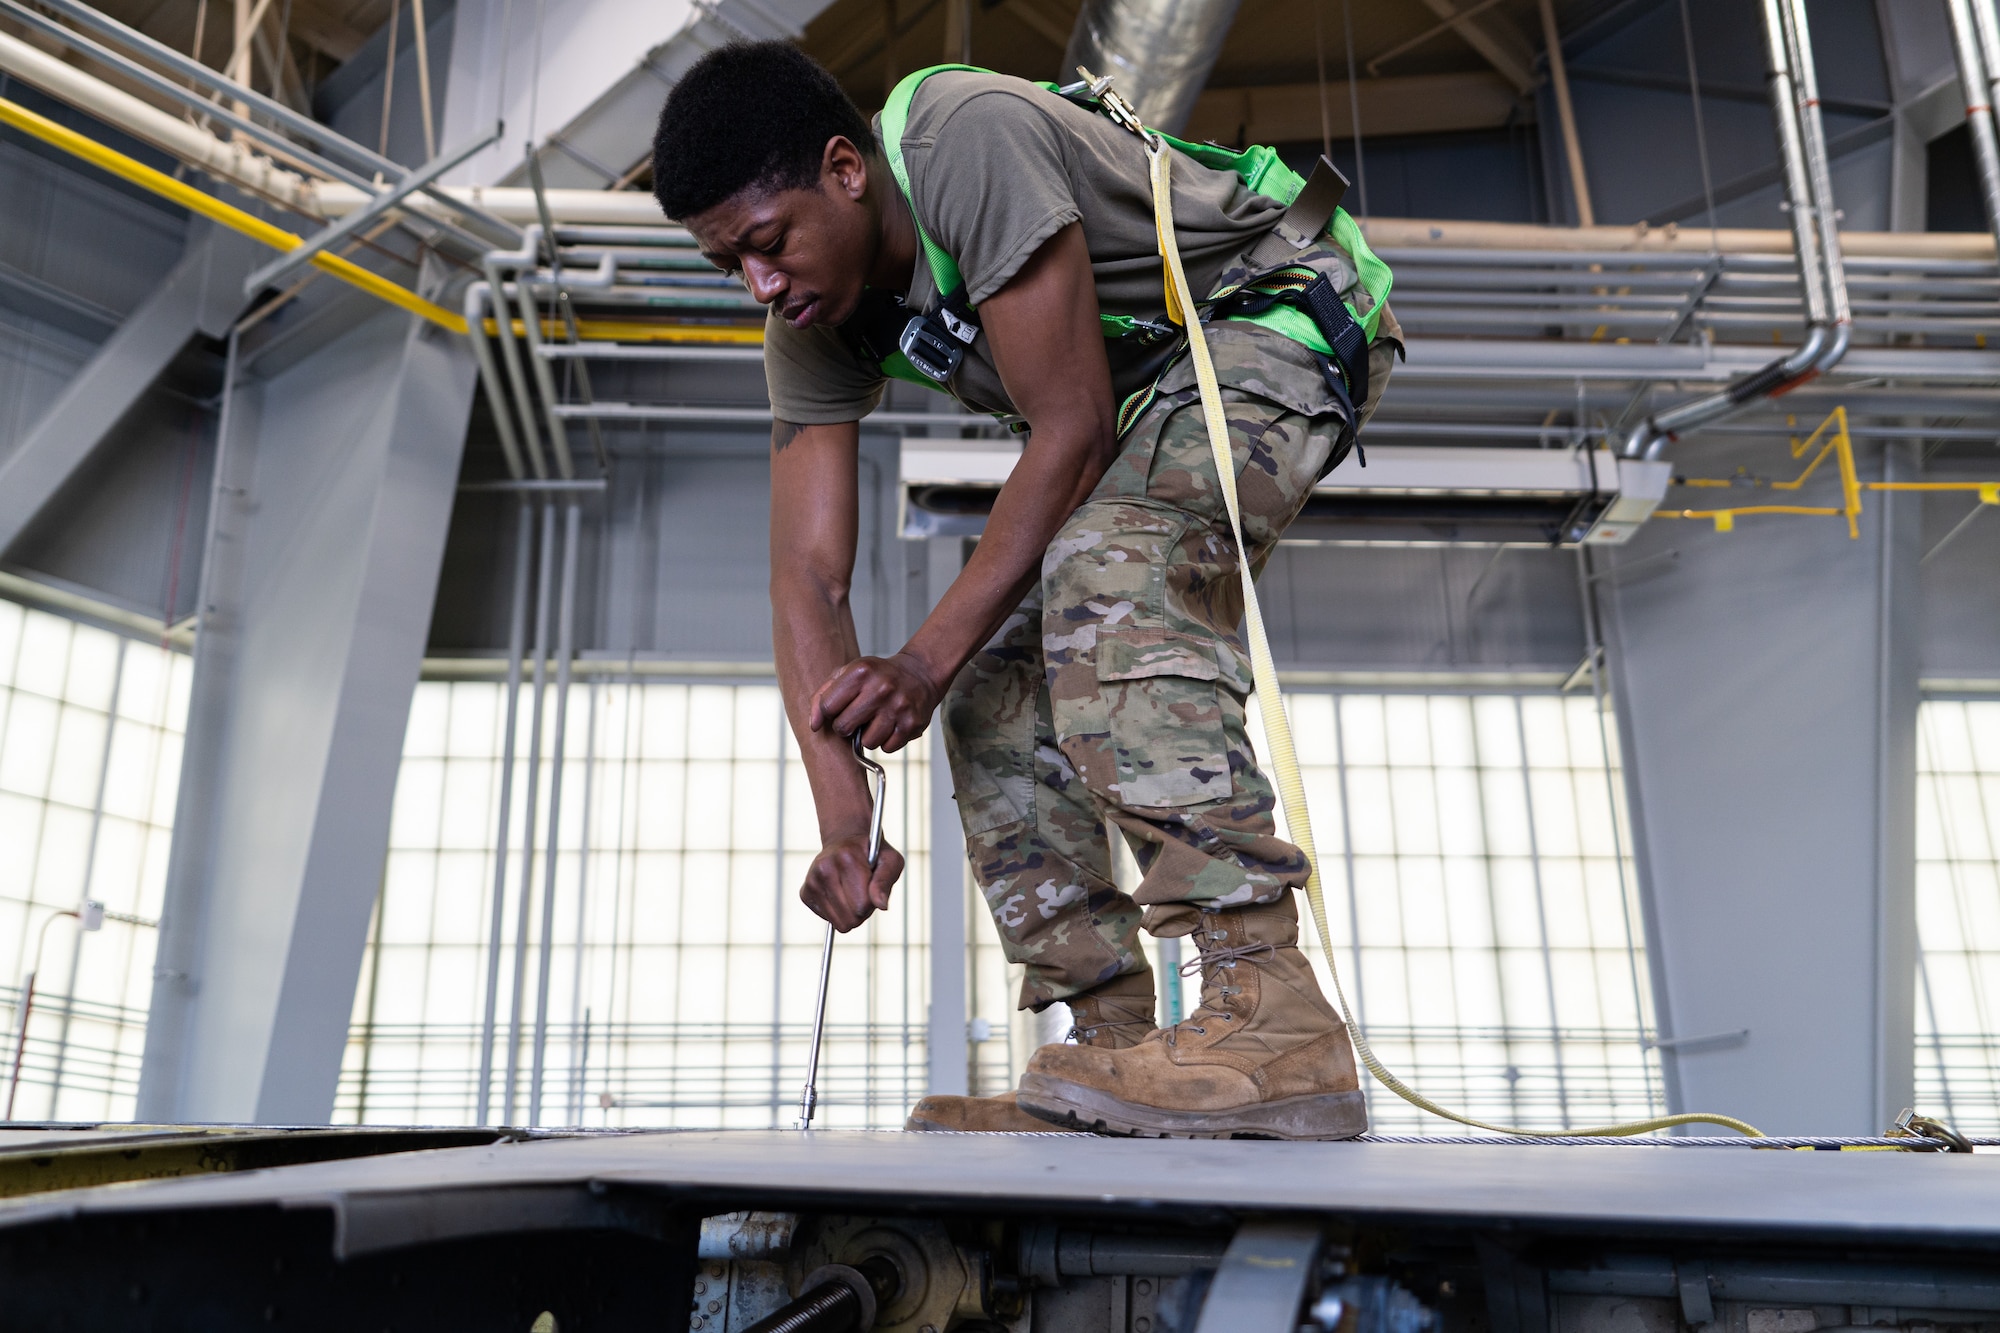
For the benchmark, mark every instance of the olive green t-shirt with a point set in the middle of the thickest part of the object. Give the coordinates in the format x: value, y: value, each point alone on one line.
x: 997, y: 166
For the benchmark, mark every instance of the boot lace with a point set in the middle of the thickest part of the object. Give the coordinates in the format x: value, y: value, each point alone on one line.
x: 1216, y: 960
x: 1079, y: 1031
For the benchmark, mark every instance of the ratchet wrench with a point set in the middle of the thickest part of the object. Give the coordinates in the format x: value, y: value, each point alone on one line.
x: 878, y: 783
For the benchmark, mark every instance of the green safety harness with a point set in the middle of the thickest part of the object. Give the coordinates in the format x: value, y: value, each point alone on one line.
x: 1299, y: 303
x: 1294, y: 300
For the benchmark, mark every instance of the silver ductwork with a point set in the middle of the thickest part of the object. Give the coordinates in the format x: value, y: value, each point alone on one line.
x: 1794, y: 91
x: 1976, y: 42
x: 1159, y: 52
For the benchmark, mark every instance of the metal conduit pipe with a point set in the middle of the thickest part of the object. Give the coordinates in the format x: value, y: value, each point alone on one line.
x: 545, y: 380
x: 531, y: 807
x: 1159, y: 51
x: 478, y: 298
x: 517, y: 629
x: 1973, y: 77
x: 1794, y: 100
x: 1986, y: 18
x: 1819, y: 178
x: 517, y: 381
x: 524, y: 264
x: 233, y: 162
x: 565, y: 650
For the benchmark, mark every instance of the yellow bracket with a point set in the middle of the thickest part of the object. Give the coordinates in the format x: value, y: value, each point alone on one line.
x: 208, y: 206
x: 1841, y: 444
x: 1832, y: 438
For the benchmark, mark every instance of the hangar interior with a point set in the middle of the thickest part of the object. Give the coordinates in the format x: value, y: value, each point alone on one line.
x: 389, y: 733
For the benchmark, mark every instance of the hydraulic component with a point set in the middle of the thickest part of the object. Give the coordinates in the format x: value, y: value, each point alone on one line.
x: 837, y: 1298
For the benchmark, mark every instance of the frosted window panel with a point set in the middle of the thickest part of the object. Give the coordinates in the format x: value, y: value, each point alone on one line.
x: 430, y: 706
x: 711, y: 723
x: 1981, y: 722
x: 1496, y: 727
x: 20, y: 831
x: 42, y: 659
x: 1546, y: 731
x: 1433, y: 998
x: 131, y: 779
x: 1413, y: 796
x: 1508, y: 832
x: 1566, y: 910
x: 1362, y: 738
x: 65, y: 847
x: 1385, y: 978
x: 27, y: 747
x: 1371, y: 811
x: 1524, y: 988
x: 1425, y: 921
x: 93, y: 668
x: 1461, y: 825
x: 166, y: 776
x: 468, y: 805
x: 1468, y: 904
x: 418, y: 804
x: 1453, y: 744
x: 464, y: 884
x: 79, y: 757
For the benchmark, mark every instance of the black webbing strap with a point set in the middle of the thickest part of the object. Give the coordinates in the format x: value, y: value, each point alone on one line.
x: 1346, y: 371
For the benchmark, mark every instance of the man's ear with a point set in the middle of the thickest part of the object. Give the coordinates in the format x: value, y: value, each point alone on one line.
x: 845, y: 166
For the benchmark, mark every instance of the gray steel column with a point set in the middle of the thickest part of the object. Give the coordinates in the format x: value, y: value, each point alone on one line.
x: 322, y: 561
x: 948, y: 1049
x: 1766, y: 690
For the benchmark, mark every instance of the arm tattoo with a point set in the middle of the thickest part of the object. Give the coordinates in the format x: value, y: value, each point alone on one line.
x: 783, y: 433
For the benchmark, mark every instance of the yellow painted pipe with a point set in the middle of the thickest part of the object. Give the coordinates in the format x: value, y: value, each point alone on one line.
x: 208, y: 206
x: 638, y: 331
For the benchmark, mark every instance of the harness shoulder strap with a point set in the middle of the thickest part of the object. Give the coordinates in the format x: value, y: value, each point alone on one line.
x: 895, y: 119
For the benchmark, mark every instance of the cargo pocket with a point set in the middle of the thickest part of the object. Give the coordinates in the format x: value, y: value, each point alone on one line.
x: 1164, y: 694
x: 990, y: 743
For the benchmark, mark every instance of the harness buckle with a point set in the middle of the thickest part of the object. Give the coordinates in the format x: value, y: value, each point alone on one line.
x: 962, y: 329
x: 935, y: 354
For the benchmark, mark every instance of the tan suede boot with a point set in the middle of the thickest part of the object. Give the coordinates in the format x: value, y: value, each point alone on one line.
x: 1264, y: 1056
x: 1115, y: 1015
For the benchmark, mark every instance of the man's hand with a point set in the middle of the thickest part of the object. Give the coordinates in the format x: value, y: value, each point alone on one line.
x: 889, y: 699
x: 1049, y: 349
x: 839, y: 887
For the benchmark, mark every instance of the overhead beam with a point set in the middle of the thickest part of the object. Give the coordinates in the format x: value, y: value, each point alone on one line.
x: 202, y: 293
x: 1504, y: 48
x: 1416, y: 104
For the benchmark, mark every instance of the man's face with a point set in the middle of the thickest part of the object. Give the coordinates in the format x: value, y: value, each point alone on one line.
x: 803, y: 252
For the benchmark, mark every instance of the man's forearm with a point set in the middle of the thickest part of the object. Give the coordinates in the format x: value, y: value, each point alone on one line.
x: 813, y: 633
x: 1055, y: 475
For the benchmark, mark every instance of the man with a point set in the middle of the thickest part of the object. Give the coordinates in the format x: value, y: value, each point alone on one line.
x: 1086, y: 661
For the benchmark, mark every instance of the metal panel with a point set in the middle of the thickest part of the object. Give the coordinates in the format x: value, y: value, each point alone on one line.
x: 316, y: 601
x: 1871, y: 1199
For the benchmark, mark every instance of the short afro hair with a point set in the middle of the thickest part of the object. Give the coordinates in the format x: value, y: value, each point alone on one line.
x: 748, y: 114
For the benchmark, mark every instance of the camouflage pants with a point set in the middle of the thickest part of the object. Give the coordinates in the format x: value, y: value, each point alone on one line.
x: 1114, y: 695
